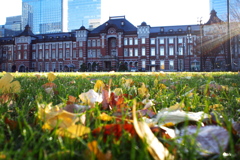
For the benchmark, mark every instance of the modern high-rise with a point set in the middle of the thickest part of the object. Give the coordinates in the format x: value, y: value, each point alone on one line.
x: 44, y: 16
x: 84, y: 12
x: 52, y: 16
x: 221, y: 7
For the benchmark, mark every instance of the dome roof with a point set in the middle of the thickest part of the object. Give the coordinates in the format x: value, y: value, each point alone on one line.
x: 82, y: 28
x: 143, y: 24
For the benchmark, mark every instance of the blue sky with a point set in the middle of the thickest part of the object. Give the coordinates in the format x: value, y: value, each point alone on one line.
x: 154, y: 12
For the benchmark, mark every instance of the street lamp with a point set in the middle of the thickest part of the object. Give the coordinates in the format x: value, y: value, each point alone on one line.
x: 189, y: 38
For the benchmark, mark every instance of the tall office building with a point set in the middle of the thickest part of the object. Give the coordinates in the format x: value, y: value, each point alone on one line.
x: 84, y: 12
x: 52, y: 16
x: 44, y: 16
x: 220, y: 6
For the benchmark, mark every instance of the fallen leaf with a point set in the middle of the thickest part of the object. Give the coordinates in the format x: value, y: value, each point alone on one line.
x: 51, y: 77
x: 93, y: 148
x: 210, y: 139
x: 155, y: 147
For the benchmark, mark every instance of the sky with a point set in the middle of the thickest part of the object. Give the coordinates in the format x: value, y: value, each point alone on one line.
x: 153, y: 12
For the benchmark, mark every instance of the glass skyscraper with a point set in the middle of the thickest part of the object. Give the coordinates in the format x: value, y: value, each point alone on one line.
x: 220, y: 6
x: 51, y: 16
x: 44, y: 16
x: 84, y: 12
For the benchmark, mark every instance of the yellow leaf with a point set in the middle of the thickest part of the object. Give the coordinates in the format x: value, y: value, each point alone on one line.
x: 51, y: 77
x: 99, y: 86
x: 73, y: 131
x: 5, y: 80
x: 15, y: 87
x: 154, y: 146
x: 176, y: 106
x: 93, y: 148
x: 105, y: 117
x: 143, y: 91
x: 6, y: 86
x: 118, y: 91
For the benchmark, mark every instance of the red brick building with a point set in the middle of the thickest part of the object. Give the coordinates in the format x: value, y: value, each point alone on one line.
x: 115, y: 43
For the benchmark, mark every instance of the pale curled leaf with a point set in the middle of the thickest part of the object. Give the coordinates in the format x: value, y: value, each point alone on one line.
x: 210, y: 139
x: 155, y: 147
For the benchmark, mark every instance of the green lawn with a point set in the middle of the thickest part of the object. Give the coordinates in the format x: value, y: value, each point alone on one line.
x: 108, y: 131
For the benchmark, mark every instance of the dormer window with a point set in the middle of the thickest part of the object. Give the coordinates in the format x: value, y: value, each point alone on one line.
x: 170, y: 30
x: 161, y: 29
x: 106, y: 23
x: 122, y: 23
x: 179, y: 30
x: 189, y: 28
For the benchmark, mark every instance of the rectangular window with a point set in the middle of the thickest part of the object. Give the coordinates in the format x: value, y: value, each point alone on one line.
x: 135, y: 51
x: 94, y: 43
x: 46, y: 46
x: 53, y: 54
x: 40, y: 66
x: 125, y: 52
x: 180, y: 40
x: 53, y: 66
x: 143, y: 51
x: 136, y: 41
x: 67, y: 45
x: 74, y: 45
x: 40, y: 46
x: 40, y: 54
x: 130, y: 52
x: 19, y: 47
x: 67, y: 53
x: 80, y: 53
x: 171, y: 65
x: 143, y: 64
x: 25, y: 46
x: 170, y: 40
x: 60, y: 66
x: 180, y: 50
x: 25, y: 55
x: 46, y: 66
x: 153, y: 51
x: 98, y: 53
x: 19, y: 55
x: 171, y: 51
x: 162, y: 65
x: 74, y: 53
x: 80, y: 43
x: 46, y: 54
x: 9, y: 56
x: 130, y: 41
x: 143, y: 40
x: 152, y: 40
x: 98, y: 43
x: 60, y: 45
x: 161, y: 41
x: 125, y: 41
x: 53, y: 46
x: 162, y: 51
x: 60, y: 53
x: 180, y: 64
x: 93, y: 53
x: 89, y: 43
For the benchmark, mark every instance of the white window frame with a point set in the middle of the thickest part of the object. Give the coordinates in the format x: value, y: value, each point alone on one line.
x: 143, y: 51
x: 162, y: 50
x: 153, y: 51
